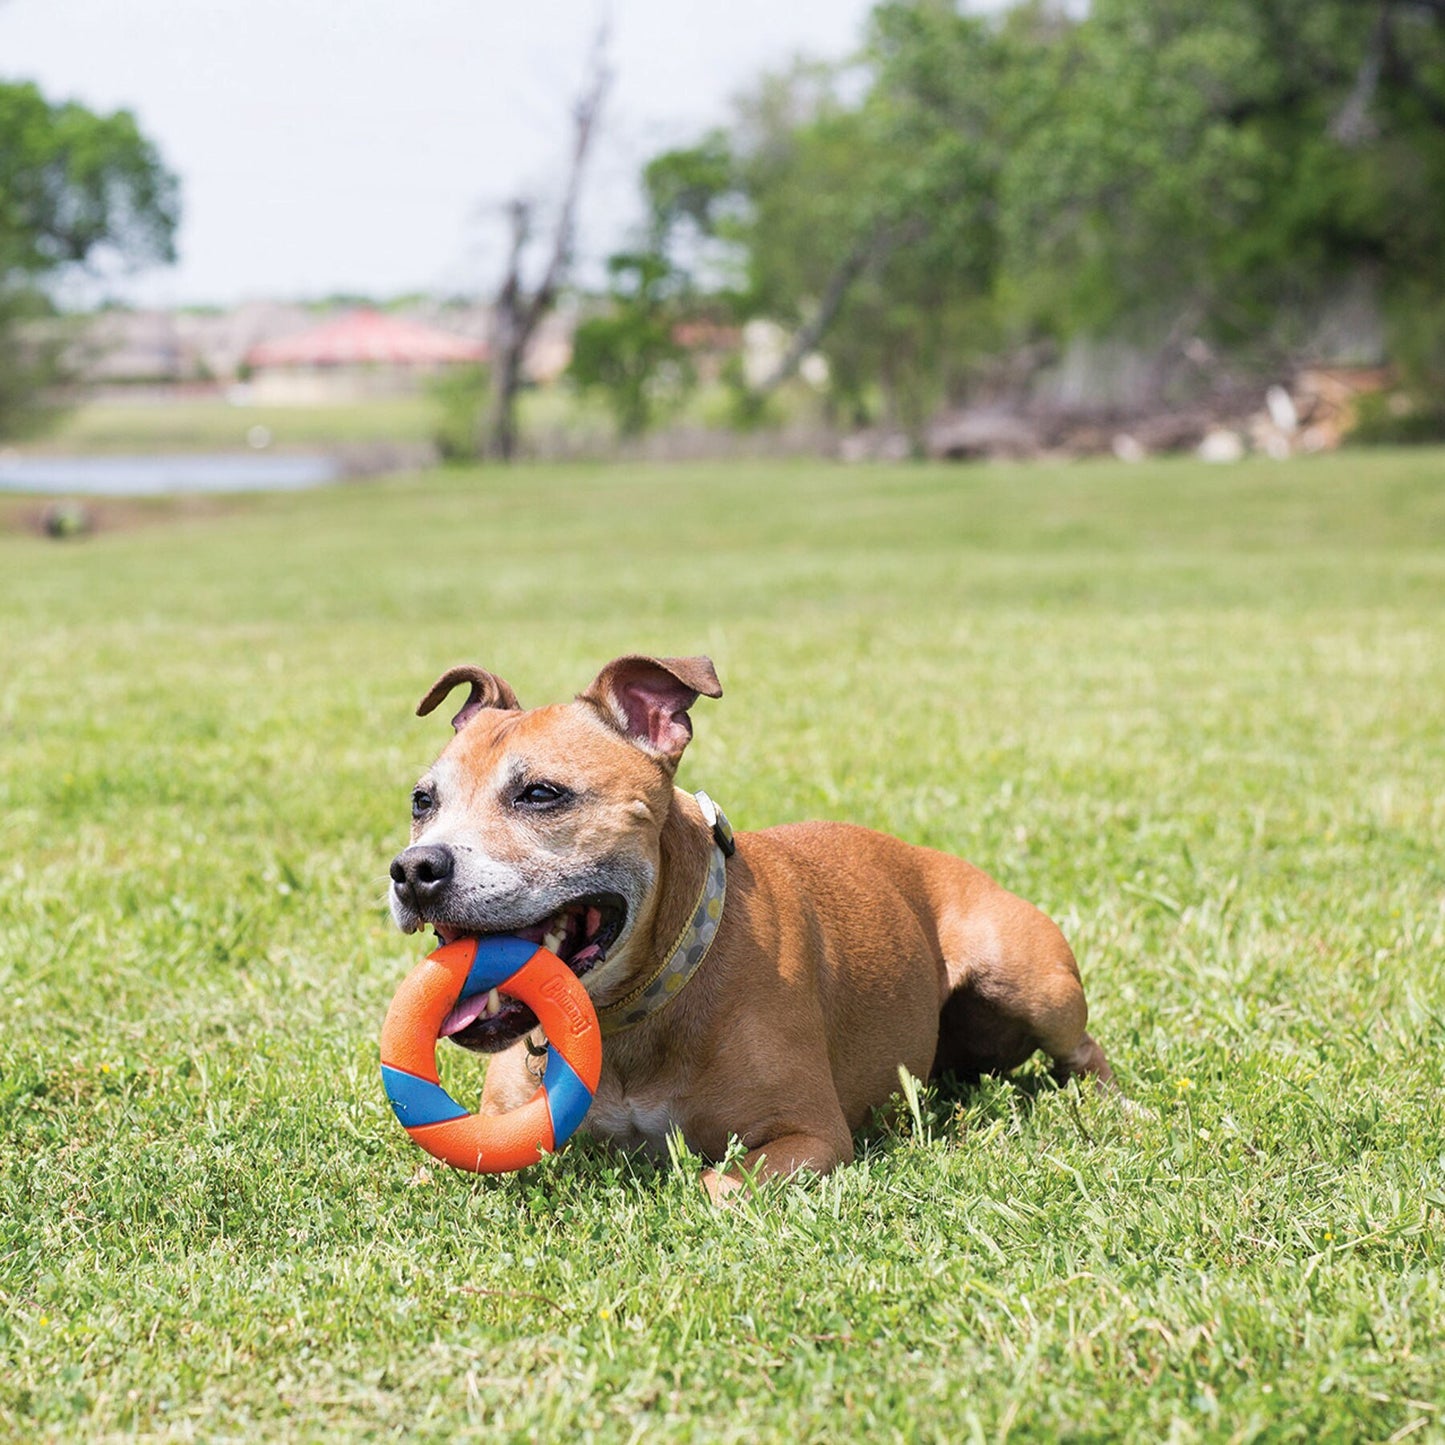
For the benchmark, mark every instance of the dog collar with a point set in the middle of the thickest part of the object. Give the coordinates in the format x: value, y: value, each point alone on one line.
x: 685, y: 956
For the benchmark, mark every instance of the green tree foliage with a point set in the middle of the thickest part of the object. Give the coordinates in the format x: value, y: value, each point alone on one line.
x: 688, y: 193
x: 681, y: 269
x: 457, y: 394
x: 628, y: 354
x: 31, y: 348
x: 77, y: 189
x: 1227, y: 160
x: 941, y: 114
x: 973, y: 186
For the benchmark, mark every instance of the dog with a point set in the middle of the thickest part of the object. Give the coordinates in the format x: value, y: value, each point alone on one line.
x: 763, y: 989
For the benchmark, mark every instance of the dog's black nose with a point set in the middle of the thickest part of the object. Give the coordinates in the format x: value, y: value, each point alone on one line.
x: 420, y: 875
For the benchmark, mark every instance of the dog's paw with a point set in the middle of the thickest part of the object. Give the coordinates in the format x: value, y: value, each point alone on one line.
x: 721, y: 1187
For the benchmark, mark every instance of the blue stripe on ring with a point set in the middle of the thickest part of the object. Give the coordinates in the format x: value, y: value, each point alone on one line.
x: 495, y: 961
x: 568, y: 1098
x: 418, y: 1101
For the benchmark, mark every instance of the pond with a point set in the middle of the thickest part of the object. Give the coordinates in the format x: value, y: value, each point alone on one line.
x: 153, y: 476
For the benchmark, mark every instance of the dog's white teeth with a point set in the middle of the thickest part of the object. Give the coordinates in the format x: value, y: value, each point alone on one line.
x: 494, y: 1002
x: 553, y: 941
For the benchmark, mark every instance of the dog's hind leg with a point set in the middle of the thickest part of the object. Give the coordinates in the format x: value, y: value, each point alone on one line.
x: 1014, y: 988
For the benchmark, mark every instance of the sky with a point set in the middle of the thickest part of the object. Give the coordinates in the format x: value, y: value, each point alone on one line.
x: 368, y: 145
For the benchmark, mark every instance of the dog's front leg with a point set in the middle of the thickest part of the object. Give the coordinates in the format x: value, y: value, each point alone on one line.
x: 513, y: 1076
x: 778, y: 1158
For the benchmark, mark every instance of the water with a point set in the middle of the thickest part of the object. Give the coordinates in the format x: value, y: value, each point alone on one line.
x: 161, y: 476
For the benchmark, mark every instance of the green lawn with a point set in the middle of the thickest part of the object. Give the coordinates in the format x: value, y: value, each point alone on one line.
x: 213, y: 425
x: 208, y: 425
x: 554, y: 419
x: 1198, y: 714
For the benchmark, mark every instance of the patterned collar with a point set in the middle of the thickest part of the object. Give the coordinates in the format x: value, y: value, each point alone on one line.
x: 685, y: 957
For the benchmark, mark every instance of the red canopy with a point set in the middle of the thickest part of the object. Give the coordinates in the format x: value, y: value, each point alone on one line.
x: 361, y: 337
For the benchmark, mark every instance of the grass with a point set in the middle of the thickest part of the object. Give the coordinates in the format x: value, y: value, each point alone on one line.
x: 207, y: 425
x: 555, y: 420
x: 1194, y: 713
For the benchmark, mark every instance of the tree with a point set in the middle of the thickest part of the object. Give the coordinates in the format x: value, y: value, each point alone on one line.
x: 973, y: 190
x: 1224, y: 167
x: 31, y: 361
x: 518, y: 310
x: 866, y: 227
x: 77, y: 190
x: 629, y: 353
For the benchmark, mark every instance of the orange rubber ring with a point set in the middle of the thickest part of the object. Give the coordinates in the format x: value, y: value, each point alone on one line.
x: 498, y: 1143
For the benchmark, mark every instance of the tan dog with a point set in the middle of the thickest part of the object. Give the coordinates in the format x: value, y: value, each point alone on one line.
x: 779, y: 1017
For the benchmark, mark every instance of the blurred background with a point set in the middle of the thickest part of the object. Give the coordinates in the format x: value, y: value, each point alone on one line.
x: 268, y: 244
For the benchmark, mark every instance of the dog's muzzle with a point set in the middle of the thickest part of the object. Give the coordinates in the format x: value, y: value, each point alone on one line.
x: 421, y: 875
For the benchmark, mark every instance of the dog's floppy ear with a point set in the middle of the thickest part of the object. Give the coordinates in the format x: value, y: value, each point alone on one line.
x: 647, y: 698
x: 488, y: 690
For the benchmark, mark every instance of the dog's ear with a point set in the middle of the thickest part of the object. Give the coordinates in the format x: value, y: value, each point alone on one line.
x: 488, y: 690
x: 647, y: 699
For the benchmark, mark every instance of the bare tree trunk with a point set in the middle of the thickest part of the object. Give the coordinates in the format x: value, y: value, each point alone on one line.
x: 872, y: 250
x: 516, y: 314
x: 1353, y: 124
x: 499, y: 432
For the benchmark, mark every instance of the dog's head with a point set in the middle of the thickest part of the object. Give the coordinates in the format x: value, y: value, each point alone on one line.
x: 546, y: 822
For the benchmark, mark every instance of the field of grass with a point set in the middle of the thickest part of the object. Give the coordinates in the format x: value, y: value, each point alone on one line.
x: 213, y: 425
x: 555, y: 422
x: 1194, y: 713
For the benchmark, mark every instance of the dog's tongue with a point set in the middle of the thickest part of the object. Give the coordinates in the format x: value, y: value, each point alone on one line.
x: 466, y: 1012
x: 471, y: 1009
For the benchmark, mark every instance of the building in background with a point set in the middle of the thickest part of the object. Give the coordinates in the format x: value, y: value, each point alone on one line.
x: 281, y: 352
x: 356, y: 355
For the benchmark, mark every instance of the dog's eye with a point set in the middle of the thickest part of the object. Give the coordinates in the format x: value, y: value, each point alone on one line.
x: 422, y: 803
x: 541, y: 795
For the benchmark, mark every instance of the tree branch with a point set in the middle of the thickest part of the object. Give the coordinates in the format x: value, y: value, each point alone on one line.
x: 869, y: 251
x: 516, y: 315
x: 584, y: 123
x: 1400, y: 68
x: 1353, y: 125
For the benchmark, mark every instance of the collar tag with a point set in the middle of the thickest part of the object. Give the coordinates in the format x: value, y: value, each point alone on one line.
x: 722, y: 830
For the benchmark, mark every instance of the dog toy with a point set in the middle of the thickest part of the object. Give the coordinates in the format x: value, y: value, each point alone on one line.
x: 458, y: 971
